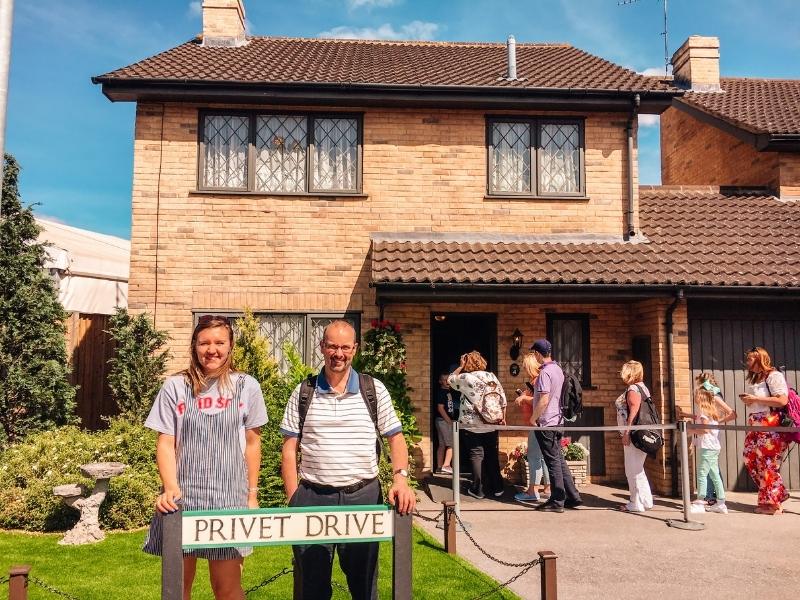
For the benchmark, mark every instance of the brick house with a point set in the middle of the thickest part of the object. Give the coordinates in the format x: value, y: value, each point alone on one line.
x: 467, y: 191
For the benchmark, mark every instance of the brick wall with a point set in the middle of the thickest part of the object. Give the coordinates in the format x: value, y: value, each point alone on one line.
x: 423, y: 171
x: 694, y: 153
x: 789, y: 175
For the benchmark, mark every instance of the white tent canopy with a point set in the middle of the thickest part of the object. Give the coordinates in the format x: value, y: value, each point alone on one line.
x: 91, y: 269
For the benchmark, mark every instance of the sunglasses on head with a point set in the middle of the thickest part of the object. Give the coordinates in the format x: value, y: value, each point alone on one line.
x: 208, y: 318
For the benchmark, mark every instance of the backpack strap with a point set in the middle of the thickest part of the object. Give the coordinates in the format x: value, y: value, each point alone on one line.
x: 366, y: 384
x: 307, y: 388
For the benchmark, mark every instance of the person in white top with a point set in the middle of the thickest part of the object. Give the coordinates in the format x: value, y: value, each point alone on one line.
x: 764, y: 451
x: 471, y: 379
x: 339, y: 464
x: 711, y: 410
x: 627, y: 406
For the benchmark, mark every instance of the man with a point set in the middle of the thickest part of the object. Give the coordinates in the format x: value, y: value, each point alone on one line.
x: 339, y: 464
x: 547, y: 413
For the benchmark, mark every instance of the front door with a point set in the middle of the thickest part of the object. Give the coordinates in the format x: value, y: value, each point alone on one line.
x: 453, y: 334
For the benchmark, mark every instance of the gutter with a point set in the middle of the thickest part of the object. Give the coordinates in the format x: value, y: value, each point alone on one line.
x: 671, y: 388
x: 630, y: 229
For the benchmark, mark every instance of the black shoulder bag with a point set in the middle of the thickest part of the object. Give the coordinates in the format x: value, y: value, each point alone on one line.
x: 648, y: 441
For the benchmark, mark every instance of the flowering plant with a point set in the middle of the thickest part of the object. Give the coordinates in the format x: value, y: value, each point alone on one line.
x: 520, y: 452
x: 573, y: 450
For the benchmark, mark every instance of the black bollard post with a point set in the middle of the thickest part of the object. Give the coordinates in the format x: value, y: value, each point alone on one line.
x: 449, y: 526
x: 172, y: 556
x: 401, y: 557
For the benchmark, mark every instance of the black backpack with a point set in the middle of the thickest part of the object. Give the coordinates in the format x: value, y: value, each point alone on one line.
x: 367, y: 386
x: 571, y: 398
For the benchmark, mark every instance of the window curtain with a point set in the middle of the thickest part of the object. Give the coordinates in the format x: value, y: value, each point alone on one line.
x: 336, y: 153
x: 559, y: 166
x: 281, y: 147
x: 511, y: 157
x: 226, y: 140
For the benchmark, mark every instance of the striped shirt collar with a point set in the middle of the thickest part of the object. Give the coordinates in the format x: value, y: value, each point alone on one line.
x: 352, y: 383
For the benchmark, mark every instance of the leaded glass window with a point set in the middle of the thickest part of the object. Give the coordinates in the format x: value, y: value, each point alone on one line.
x: 510, y: 170
x: 559, y: 158
x: 280, y: 153
x: 280, y: 330
x: 535, y: 157
x: 281, y: 142
x: 335, y: 154
x: 569, y: 334
x: 225, y: 140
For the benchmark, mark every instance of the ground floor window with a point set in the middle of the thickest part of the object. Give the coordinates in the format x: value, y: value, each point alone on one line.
x: 302, y: 331
x: 569, y: 334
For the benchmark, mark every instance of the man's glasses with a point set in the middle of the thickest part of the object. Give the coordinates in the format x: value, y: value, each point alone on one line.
x: 347, y: 348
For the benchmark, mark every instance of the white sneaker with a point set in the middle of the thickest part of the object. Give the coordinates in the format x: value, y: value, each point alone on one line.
x: 698, y: 506
x: 719, y: 507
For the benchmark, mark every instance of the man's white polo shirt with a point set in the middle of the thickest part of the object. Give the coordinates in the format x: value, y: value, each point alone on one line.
x: 338, y: 442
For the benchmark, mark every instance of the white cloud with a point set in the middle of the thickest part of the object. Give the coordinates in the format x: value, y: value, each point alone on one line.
x: 656, y: 71
x: 415, y: 30
x: 354, y: 4
x: 196, y: 8
x: 649, y: 120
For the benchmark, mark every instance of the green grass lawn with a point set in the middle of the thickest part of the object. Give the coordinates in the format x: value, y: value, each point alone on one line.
x: 117, y: 569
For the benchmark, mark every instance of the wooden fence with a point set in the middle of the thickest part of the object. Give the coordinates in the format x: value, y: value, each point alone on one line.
x: 89, y: 348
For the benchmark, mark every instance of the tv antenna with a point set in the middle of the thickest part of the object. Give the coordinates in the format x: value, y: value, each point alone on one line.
x: 663, y: 33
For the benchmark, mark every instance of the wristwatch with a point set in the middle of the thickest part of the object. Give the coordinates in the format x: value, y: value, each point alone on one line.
x: 402, y: 472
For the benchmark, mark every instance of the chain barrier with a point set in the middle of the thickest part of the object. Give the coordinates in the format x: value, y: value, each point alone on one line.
x: 46, y: 586
x: 532, y: 563
x: 505, y: 584
x: 268, y: 580
x: 429, y: 519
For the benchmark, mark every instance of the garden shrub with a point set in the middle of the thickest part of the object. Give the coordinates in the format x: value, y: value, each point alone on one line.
x: 138, y: 363
x: 35, y: 392
x: 33, y: 467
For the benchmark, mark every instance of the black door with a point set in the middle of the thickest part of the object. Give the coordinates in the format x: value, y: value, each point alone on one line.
x: 453, y: 334
x: 718, y: 336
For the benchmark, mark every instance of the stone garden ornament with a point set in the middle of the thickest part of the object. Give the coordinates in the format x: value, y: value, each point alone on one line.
x: 87, y: 529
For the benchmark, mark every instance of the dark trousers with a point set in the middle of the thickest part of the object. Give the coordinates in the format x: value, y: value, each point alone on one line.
x: 562, y: 487
x: 483, y: 450
x: 359, y: 561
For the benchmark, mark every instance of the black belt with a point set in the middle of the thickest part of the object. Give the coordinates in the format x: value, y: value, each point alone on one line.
x: 332, y: 489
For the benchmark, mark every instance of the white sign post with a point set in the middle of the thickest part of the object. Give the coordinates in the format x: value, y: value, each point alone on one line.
x: 284, y: 526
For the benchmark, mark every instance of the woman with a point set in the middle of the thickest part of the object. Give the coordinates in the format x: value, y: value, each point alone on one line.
x: 536, y: 467
x: 472, y: 379
x: 627, y: 406
x: 764, y: 450
x: 208, y: 449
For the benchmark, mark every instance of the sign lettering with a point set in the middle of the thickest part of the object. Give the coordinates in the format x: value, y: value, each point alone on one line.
x: 301, y: 525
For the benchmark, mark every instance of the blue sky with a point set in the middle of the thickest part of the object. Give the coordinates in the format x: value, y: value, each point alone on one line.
x: 76, y: 147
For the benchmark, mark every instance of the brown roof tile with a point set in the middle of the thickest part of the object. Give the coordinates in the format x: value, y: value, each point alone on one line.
x: 271, y: 60
x: 692, y: 238
x: 756, y: 105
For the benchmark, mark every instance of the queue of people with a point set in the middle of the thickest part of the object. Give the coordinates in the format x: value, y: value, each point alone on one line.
x: 208, y: 418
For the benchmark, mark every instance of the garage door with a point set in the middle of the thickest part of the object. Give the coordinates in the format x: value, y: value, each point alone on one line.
x: 718, y: 345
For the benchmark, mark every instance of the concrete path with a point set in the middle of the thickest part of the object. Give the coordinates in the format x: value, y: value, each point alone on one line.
x: 603, y: 553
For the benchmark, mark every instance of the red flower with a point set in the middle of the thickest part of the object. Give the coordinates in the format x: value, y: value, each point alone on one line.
x: 397, y: 327
x: 373, y: 323
x: 565, y: 441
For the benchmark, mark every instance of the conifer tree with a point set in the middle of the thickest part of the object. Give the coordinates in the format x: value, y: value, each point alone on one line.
x: 35, y: 393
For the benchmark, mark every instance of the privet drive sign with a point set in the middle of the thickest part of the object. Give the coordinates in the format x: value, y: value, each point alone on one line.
x: 273, y: 526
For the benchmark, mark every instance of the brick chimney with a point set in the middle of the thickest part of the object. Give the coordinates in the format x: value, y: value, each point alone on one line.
x: 695, y: 64
x: 223, y: 23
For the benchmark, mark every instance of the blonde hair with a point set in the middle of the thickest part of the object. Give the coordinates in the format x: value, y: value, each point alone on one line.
x: 632, y: 372
x: 194, y: 374
x: 474, y: 362
x: 706, y: 404
x: 531, y: 365
x: 706, y: 376
x: 763, y: 362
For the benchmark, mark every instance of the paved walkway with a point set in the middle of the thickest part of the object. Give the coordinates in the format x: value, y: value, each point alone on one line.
x: 603, y: 553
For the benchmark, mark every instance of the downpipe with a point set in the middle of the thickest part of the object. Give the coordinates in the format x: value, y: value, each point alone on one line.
x: 630, y: 229
x: 671, y: 388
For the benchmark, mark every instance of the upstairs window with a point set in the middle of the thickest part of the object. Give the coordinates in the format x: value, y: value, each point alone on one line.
x: 535, y: 157
x: 280, y: 153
